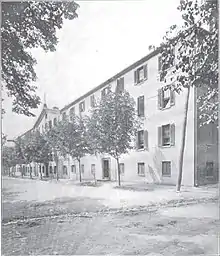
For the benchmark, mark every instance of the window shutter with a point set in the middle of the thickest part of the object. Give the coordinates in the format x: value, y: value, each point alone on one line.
x: 137, y: 141
x: 146, y: 139
x: 159, y: 136
x: 142, y: 105
x: 172, y: 98
x: 135, y: 77
x: 160, y: 91
x: 146, y: 72
x: 138, y: 105
x: 172, y: 134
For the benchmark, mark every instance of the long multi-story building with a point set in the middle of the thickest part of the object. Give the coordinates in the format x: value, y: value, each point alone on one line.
x: 155, y: 157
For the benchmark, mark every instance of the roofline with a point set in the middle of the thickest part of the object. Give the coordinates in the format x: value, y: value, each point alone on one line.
x: 23, y: 134
x: 129, y: 68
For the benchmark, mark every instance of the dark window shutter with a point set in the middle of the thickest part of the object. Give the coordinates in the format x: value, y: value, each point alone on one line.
x: 146, y: 139
x: 137, y: 140
x: 142, y: 105
x: 146, y: 72
x: 135, y: 77
x: 159, y: 136
x: 138, y: 105
x: 172, y: 134
x: 172, y: 98
x: 160, y: 95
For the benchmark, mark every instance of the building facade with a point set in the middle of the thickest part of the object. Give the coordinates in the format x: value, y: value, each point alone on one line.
x: 155, y: 157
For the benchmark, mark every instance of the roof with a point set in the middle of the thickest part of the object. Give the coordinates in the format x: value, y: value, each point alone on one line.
x: 118, y: 75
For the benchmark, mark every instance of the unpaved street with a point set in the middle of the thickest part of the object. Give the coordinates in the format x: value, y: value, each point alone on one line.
x: 86, y: 225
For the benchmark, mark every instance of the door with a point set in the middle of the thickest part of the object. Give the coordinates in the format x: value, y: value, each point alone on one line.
x: 106, y: 169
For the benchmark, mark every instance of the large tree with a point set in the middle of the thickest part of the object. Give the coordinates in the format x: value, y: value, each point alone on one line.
x: 113, y: 124
x: 194, y: 60
x: 27, y: 25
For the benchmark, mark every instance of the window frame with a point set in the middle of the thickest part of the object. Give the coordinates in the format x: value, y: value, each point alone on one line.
x: 168, y: 164
x: 82, y: 168
x: 92, y: 101
x: 82, y: 103
x: 139, y: 166
x: 140, y: 100
x: 206, y: 169
x: 169, y: 128
x: 139, y: 145
x: 73, y: 168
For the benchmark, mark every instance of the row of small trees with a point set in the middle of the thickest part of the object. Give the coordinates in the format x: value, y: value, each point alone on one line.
x: 109, y: 128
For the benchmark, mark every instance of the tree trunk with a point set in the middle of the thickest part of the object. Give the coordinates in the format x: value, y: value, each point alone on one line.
x: 21, y: 168
x: 30, y: 171
x: 57, y: 162
x: 80, y: 176
x: 40, y: 172
x: 183, y: 141
x: 119, y: 176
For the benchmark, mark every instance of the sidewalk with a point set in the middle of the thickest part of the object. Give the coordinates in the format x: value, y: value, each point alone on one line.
x: 109, y: 195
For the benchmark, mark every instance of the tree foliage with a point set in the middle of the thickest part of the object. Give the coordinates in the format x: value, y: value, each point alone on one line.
x: 113, y: 124
x: 27, y: 25
x: 196, y: 57
x: 8, y: 157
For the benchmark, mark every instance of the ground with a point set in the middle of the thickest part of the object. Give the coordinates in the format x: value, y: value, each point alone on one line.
x: 46, y: 218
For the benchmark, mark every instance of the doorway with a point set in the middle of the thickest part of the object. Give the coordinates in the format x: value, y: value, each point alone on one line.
x: 106, y: 168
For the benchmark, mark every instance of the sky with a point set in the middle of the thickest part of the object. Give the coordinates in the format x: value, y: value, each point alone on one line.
x: 106, y: 37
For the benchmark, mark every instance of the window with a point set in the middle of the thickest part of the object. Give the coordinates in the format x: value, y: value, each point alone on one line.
x: 64, y: 170
x: 141, y: 169
x: 55, y: 169
x: 120, y: 85
x: 64, y: 116
x: 122, y: 168
x: 166, y: 168
x: 43, y: 169
x: 140, y: 139
x: 166, y: 98
x: 82, y: 106
x: 82, y: 168
x: 140, y: 74
x: 93, y: 169
x: 51, y: 169
x: 92, y: 101
x: 105, y: 91
x: 140, y: 103
x: 73, y: 169
x: 166, y: 135
x: 50, y: 124
x: 54, y: 121
x: 209, y: 169
x: 72, y: 113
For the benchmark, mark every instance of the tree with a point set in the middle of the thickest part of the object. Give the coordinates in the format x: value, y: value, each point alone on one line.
x: 113, y: 124
x: 195, y: 63
x: 56, y: 139
x: 76, y: 140
x: 27, y: 25
x: 8, y: 158
x: 42, y: 150
x: 19, y: 149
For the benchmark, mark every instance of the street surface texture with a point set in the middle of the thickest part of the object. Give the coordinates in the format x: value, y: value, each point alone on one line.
x: 63, y: 218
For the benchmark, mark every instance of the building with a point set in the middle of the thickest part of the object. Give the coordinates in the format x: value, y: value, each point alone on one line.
x: 155, y: 156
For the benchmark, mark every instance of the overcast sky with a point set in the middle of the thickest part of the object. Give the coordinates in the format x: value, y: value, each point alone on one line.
x: 106, y: 37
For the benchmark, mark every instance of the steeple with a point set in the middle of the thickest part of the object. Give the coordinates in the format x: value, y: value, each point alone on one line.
x: 45, y: 104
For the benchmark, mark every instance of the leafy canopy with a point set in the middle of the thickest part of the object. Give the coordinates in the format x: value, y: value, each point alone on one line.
x: 196, y: 62
x: 113, y: 124
x: 27, y: 25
